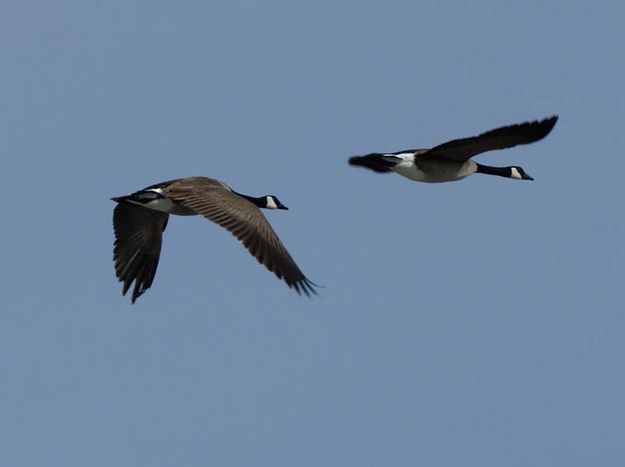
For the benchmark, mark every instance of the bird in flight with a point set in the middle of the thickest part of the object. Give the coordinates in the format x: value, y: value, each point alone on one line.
x: 139, y: 221
x: 452, y: 161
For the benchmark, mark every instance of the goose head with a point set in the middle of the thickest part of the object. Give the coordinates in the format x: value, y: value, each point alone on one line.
x: 272, y: 202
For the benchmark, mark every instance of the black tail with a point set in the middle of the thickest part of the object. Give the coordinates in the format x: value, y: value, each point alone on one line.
x: 376, y: 162
x: 128, y: 199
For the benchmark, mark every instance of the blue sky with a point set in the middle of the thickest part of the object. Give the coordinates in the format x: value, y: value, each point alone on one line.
x: 477, y: 323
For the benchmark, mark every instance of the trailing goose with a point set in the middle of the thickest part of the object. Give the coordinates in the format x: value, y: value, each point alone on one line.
x: 139, y: 221
x: 451, y: 161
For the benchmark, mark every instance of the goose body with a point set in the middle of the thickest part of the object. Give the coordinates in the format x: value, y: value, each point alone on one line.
x: 140, y: 219
x: 452, y: 161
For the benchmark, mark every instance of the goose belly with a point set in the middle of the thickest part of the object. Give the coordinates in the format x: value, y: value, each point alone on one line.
x: 411, y: 171
x: 435, y: 171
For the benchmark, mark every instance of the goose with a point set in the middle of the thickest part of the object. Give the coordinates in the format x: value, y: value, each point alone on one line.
x: 139, y: 221
x: 452, y: 161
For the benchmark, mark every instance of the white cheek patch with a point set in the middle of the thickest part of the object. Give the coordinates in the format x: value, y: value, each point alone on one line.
x: 271, y: 204
x: 514, y: 173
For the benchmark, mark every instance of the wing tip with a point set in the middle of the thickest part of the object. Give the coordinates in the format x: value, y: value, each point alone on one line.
x: 550, y: 122
x: 541, y: 128
x: 305, y: 286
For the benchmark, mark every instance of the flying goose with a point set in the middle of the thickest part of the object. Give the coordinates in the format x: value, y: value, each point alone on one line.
x: 139, y: 220
x: 451, y: 161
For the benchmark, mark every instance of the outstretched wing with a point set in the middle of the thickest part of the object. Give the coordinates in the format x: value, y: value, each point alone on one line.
x: 246, y: 222
x: 461, y: 150
x: 138, y: 239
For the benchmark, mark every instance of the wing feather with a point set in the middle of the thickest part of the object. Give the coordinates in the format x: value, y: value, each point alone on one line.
x: 247, y: 223
x: 461, y: 150
x: 137, y: 249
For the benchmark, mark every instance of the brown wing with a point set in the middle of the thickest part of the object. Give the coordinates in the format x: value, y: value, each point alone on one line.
x: 138, y: 239
x: 461, y: 150
x: 246, y: 222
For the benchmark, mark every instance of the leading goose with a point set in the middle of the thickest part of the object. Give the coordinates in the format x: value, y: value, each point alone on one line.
x: 139, y: 220
x: 451, y: 161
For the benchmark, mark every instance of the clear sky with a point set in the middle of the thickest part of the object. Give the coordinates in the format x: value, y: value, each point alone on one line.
x: 476, y: 323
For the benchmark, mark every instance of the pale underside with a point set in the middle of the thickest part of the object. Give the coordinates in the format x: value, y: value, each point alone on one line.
x: 432, y: 169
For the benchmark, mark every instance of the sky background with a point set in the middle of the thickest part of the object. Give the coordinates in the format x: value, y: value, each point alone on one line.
x: 477, y: 323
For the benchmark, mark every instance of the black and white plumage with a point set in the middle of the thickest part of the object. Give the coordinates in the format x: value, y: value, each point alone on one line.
x: 451, y: 161
x: 139, y: 221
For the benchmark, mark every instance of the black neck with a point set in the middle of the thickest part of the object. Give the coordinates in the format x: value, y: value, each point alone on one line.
x: 261, y: 202
x: 500, y: 171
